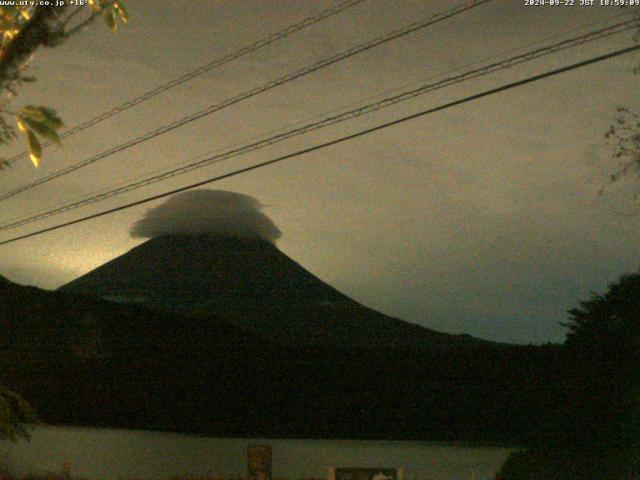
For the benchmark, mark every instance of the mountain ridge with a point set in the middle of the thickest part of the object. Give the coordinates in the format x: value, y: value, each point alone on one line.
x: 85, y: 361
x: 250, y: 283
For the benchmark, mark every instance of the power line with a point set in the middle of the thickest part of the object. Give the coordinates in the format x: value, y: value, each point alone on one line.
x: 512, y: 61
x: 252, y: 47
x: 361, y: 133
x: 253, y: 92
x: 326, y: 122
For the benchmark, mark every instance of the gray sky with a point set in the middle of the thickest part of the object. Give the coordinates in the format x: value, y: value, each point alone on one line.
x: 483, y: 218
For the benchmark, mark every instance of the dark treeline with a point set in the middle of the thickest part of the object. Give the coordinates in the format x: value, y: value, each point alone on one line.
x: 573, y: 408
x: 82, y: 361
x: 594, y: 432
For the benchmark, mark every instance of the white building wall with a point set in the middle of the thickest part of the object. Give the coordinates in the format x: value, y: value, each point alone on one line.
x: 128, y: 454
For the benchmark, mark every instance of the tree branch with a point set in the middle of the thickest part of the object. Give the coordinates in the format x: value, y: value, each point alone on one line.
x: 75, y: 12
x: 40, y: 30
x: 88, y: 21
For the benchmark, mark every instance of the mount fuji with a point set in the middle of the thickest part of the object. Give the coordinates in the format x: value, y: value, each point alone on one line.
x: 250, y: 282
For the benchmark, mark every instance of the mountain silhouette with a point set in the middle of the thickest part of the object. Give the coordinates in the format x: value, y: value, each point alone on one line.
x: 249, y: 282
x: 83, y: 360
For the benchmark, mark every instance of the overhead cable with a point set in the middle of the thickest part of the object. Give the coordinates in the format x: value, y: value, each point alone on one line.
x: 252, y: 47
x: 439, y: 17
x: 332, y: 120
x: 336, y: 141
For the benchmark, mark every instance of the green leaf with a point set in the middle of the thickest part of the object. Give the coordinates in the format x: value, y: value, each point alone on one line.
x: 122, y: 9
x: 9, y: 9
x: 42, y: 128
x: 110, y: 18
x: 35, y: 149
x: 95, y: 5
x: 52, y: 116
x: 21, y: 125
x: 32, y: 112
x: 45, y: 115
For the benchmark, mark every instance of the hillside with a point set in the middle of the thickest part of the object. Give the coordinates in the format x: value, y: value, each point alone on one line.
x: 254, y: 285
x: 85, y: 361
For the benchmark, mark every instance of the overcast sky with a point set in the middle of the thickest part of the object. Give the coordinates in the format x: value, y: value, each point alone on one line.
x: 483, y: 218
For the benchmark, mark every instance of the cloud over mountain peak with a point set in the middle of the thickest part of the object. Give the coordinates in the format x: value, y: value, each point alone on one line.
x: 208, y: 211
